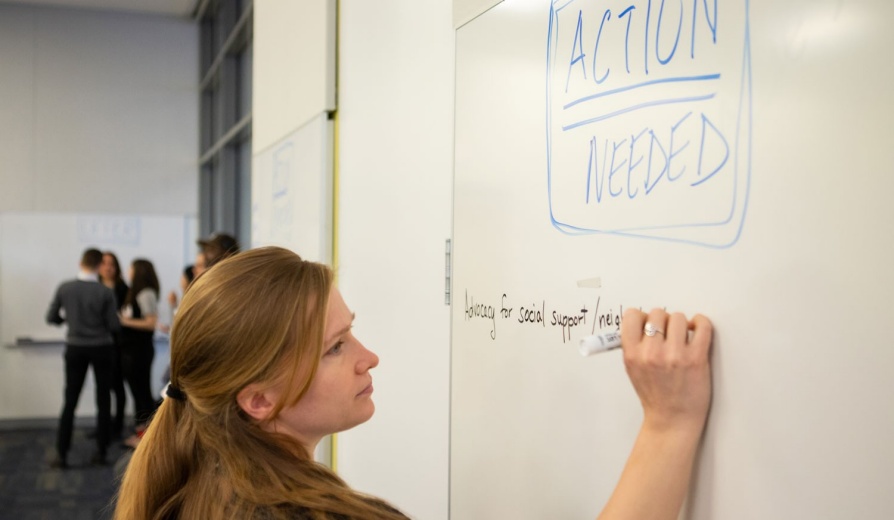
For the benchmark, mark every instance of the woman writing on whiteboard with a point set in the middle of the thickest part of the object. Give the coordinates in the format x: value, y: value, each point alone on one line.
x: 264, y: 365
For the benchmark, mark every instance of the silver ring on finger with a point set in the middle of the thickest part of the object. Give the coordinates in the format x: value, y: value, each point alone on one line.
x: 650, y: 329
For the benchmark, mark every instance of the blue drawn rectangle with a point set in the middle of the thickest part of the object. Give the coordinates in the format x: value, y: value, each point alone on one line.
x: 283, y: 189
x: 648, y: 118
x: 282, y: 169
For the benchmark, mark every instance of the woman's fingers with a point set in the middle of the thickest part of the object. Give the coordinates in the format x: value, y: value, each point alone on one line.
x: 666, y: 359
x: 677, y: 329
x: 656, y: 328
x: 632, y: 325
x: 702, y: 331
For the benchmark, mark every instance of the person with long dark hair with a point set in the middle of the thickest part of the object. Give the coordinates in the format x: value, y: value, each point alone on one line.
x: 110, y: 276
x: 139, y: 317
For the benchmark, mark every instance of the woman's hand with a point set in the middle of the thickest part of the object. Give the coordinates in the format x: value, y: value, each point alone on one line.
x: 145, y: 323
x: 670, y: 369
x: 667, y: 359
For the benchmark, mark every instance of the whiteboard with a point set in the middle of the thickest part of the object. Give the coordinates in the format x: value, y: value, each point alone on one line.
x: 292, y: 192
x: 38, y: 251
x: 725, y: 157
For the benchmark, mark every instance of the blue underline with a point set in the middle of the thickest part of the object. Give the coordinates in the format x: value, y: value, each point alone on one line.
x: 682, y: 79
x: 636, y: 107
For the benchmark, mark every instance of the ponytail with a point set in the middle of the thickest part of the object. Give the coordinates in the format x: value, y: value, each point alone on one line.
x: 161, y: 466
x: 171, y: 476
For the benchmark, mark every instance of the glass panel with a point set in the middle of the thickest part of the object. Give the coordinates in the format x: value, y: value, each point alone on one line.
x: 243, y: 202
x: 245, y: 66
x: 225, y: 176
x: 206, y: 46
x: 206, y: 122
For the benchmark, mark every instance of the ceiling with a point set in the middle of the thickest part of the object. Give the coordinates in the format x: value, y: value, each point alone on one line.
x: 177, y: 8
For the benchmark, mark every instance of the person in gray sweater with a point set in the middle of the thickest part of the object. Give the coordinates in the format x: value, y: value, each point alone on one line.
x: 91, y: 315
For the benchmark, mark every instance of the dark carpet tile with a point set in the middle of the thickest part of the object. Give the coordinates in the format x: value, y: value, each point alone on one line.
x: 31, y: 490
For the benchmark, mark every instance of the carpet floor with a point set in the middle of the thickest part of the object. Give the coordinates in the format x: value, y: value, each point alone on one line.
x: 31, y: 490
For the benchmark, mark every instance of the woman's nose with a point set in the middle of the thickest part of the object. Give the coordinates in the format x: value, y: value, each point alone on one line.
x: 368, y: 359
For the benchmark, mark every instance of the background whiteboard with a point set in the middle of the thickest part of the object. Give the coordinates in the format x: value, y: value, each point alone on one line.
x: 38, y: 251
x: 292, y: 192
x: 773, y: 219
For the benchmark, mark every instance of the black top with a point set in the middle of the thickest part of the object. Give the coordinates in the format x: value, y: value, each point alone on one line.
x: 131, y: 336
x: 120, y: 294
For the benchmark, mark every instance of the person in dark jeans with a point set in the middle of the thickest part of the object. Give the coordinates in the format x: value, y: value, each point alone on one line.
x: 91, y: 315
x: 139, y: 317
x: 110, y: 276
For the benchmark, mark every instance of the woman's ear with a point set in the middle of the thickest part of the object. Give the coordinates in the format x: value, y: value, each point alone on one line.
x: 256, y: 401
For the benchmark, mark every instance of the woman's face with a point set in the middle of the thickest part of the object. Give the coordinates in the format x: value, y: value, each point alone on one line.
x: 340, y: 396
x: 199, y: 266
x: 107, y: 268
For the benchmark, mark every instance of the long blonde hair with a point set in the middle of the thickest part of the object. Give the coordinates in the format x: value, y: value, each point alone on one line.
x: 257, y: 317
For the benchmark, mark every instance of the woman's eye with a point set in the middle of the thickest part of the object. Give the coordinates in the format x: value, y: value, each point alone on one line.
x: 336, y: 348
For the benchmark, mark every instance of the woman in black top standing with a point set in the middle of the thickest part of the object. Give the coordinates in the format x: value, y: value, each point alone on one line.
x: 110, y: 276
x: 139, y: 316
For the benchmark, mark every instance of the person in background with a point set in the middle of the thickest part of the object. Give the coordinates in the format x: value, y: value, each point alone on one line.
x: 139, y: 317
x: 90, y: 313
x: 189, y: 274
x: 110, y: 276
x: 186, y: 278
x: 198, y: 267
x: 217, y: 247
x: 264, y: 366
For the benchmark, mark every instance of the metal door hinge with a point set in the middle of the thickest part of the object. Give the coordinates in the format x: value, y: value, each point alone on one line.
x: 447, y: 270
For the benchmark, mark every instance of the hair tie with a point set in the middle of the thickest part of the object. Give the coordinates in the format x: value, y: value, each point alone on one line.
x: 174, y: 393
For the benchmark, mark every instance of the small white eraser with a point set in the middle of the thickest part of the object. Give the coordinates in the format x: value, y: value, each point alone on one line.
x: 590, y: 283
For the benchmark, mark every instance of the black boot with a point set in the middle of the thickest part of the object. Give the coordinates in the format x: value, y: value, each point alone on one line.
x: 60, y: 462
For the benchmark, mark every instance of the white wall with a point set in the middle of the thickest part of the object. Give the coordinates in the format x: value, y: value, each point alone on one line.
x: 98, y: 117
x: 98, y: 112
x: 395, y: 144
x: 294, y: 66
x: 395, y: 151
x: 293, y: 93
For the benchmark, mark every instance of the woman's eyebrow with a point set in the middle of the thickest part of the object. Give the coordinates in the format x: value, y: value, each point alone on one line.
x: 345, y: 329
